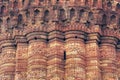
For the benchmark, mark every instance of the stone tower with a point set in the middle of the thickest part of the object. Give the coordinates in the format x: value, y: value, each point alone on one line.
x: 59, y: 39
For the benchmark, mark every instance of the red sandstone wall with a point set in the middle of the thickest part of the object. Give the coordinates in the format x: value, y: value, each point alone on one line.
x: 59, y: 40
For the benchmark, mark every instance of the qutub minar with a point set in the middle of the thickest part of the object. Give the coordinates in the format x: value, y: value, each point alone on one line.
x: 59, y: 40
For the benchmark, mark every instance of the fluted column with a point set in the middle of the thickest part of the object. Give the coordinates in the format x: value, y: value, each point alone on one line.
x: 37, y: 61
x: 93, y: 71
x: 75, y: 55
x: 55, y: 68
x: 8, y: 60
x: 108, y: 58
x: 21, y: 58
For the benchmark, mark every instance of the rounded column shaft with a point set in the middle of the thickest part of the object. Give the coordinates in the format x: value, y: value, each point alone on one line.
x: 37, y: 60
x: 108, y: 59
x: 75, y: 56
x: 8, y: 61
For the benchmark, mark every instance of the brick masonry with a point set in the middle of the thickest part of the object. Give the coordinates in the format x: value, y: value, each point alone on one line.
x: 59, y: 40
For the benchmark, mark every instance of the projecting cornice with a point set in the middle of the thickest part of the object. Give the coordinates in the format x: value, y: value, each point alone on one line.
x: 33, y: 36
x: 109, y: 40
